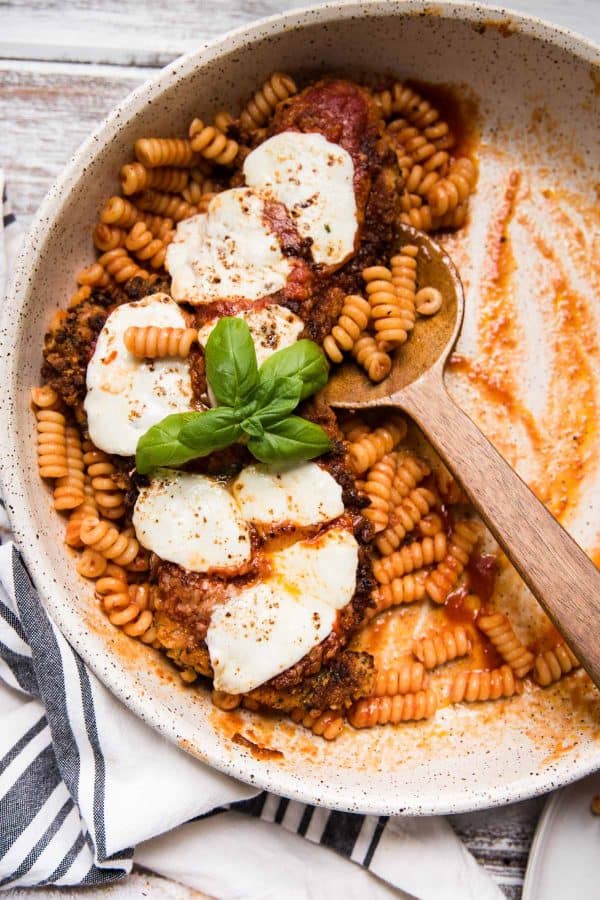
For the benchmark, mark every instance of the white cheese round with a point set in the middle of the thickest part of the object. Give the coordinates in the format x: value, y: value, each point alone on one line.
x: 314, y: 179
x: 304, y: 494
x: 265, y: 628
x: 191, y: 520
x: 228, y: 252
x: 126, y: 395
x: 272, y: 328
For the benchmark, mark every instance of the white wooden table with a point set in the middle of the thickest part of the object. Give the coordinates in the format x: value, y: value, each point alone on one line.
x: 63, y: 65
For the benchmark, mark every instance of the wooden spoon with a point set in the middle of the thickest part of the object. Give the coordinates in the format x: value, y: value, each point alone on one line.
x: 552, y: 565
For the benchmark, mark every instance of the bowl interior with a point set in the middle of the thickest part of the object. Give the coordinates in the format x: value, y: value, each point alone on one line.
x: 536, y: 96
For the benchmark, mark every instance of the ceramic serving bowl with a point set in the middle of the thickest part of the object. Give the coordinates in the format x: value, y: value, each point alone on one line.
x: 527, y: 371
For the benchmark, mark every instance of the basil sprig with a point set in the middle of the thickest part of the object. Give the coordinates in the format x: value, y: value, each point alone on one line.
x: 255, y: 404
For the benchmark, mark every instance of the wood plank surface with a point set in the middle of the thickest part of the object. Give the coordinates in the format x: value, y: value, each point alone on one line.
x: 63, y: 65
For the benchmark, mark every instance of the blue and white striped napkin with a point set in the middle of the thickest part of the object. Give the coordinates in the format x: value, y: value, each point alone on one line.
x: 87, y: 789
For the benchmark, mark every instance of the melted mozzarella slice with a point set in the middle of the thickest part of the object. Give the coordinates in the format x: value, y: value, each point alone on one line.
x: 314, y: 179
x: 272, y: 328
x: 265, y: 628
x: 126, y: 395
x: 228, y: 252
x: 304, y: 494
x: 191, y: 520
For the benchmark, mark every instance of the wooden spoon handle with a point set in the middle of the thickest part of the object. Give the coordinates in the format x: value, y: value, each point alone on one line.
x: 552, y: 565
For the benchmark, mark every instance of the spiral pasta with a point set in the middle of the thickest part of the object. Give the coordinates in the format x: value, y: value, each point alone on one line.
x: 443, y: 647
x: 169, y: 205
x: 146, y: 247
x: 91, y: 564
x: 403, y: 267
x: 404, y: 518
x: 553, y: 664
x: 68, y: 491
x: 474, y: 686
x: 405, y: 101
x: 428, y: 301
x: 392, y: 320
x: 212, y: 144
x: 261, y: 107
x: 415, y: 555
x: 375, y: 362
x: 409, y: 473
x: 378, y: 488
x: 407, y: 589
x: 150, y: 341
x: 417, y: 149
x: 52, y: 444
x: 45, y: 397
x: 93, y: 275
x: 399, y: 678
x: 121, y: 266
x: 353, y: 320
x: 153, y: 152
x: 447, y: 193
x: 108, y: 237
x: 372, y: 447
x: 419, y: 181
x: 430, y: 525
x: 107, y: 540
x: 87, y: 508
x: 135, y: 178
x: 371, y: 711
x: 443, y: 579
x: 102, y: 473
x: 119, y: 212
x: 500, y: 632
x: 324, y: 723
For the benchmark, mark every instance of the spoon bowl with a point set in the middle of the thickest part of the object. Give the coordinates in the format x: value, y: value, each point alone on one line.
x: 557, y: 571
x: 429, y: 344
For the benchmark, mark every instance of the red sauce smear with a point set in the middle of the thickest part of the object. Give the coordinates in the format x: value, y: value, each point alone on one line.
x: 255, y: 749
x: 482, y: 571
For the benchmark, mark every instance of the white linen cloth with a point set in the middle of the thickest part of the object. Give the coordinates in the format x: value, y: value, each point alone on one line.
x: 86, y: 788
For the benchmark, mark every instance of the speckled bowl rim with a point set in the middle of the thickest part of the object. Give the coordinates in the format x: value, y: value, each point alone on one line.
x: 259, y: 775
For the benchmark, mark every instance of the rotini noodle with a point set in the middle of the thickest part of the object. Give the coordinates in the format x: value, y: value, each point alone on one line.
x: 372, y: 447
x: 407, y: 589
x: 102, y: 473
x: 68, y: 491
x: 52, y: 444
x: 169, y: 205
x: 392, y: 321
x: 212, y: 143
x: 409, y: 473
x: 500, y: 632
x: 403, y: 267
x: 415, y: 555
x: 153, y: 152
x: 404, y: 518
x: 353, y: 320
x: 428, y: 301
x: 473, y: 687
x: 374, y: 361
x: 261, y: 107
x: 91, y: 564
x: 373, y: 711
x: 445, y: 646
x: 326, y: 724
x: 399, y: 678
x: 135, y: 178
x: 121, y: 266
x: 45, y: 397
x: 378, y: 488
x: 93, y: 276
x: 553, y: 664
x: 430, y: 525
x: 107, y: 540
x: 87, y: 508
x: 150, y: 341
x: 443, y: 579
x: 108, y: 237
x: 146, y: 247
x: 119, y: 212
x: 225, y: 701
x: 447, y: 193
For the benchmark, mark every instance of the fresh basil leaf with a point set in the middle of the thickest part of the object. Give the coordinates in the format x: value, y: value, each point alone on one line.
x: 252, y: 427
x: 304, y: 360
x: 211, y: 430
x: 231, y: 368
x: 160, y: 445
x: 277, y: 399
x: 290, y: 440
